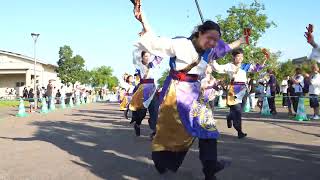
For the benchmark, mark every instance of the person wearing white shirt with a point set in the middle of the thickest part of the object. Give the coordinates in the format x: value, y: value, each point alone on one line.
x: 298, y: 84
x: 237, y: 72
x: 144, y: 98
x: 252, y: 83
x: 314, y: 91
x: 284, y: 90
x: 178, y: 122
x: 129, y: 87
x: 63, y: 92
x: 122, y: 82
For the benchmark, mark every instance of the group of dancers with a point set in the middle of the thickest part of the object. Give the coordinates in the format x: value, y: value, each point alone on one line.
x: 183, y: 110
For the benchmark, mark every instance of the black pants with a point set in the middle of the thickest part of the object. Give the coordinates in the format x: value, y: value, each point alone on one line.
x: 167, y: 160
x: 285, y: 100
x: 272, y: 103
x: 139, y: 115
x: 235, y: 116
x: 126, y: 113
x: 296, y: 101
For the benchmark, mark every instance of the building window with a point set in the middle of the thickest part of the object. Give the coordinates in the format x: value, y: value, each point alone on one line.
x: 20, y: 84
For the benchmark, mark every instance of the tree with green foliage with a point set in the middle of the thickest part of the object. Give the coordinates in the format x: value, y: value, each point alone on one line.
x: 70, y: 69
x: 286, y: 69
x: 85, y: 77
x: 239, y: 17
x: 163, y: 77
x: 102, y: 76
x: 247, y: 16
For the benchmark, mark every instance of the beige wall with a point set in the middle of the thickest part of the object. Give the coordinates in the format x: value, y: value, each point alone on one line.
x: 9, y: 81
x: 12, y: 62
x: 14, y: 68
x: 48, y: 74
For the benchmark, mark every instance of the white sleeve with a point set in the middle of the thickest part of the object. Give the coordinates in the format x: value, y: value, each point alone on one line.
x: 221, y: 69
x: 158, y: 46
x: 284, y: 83
x: 316, y: 80
x: 315, y: 54
x: 300, y: 79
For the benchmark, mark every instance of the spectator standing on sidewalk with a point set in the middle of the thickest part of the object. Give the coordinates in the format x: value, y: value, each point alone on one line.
x: 49, y: 93
x: 272, y: 84
x: 298, y: 84
x: 284, y: 91
x: 314, y: 91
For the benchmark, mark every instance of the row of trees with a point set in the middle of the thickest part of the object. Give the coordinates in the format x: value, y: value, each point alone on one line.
x: 71, y: 69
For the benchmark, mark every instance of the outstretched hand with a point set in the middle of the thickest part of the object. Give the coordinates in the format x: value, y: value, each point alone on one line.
x: 247, y: 34
x: 266, y: 53
x: 137, y: 10
x: 139, y: 16
x: 308, y: 34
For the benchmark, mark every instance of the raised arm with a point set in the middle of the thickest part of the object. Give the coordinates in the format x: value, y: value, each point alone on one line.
x: 309, y: 36
x: 237, y: 43
x: 255, y: 67
x: 264, y: 62
x: 221, y: 69
x: 312, y: 42
x: 149, y: 41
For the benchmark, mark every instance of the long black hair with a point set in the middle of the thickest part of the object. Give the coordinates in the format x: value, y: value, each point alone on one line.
x: 143, y: 53
x: 206, y: 26
x: 128, y: 78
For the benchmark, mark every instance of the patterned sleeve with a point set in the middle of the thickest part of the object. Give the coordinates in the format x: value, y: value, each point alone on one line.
x: 219, y: 51
x: 155, y: 62
x: 248, y: 67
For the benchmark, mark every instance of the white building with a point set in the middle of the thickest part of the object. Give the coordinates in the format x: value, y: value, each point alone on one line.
x: 17, y: 72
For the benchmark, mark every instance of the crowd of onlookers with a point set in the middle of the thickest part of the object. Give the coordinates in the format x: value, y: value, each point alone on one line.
x: 302, y: 85
x: 266, y: 85
x: 10, y: 93
x: 57, y: 94
x: 291, y: 88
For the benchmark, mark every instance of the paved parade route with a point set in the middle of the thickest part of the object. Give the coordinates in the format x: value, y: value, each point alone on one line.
x: 95, y: 142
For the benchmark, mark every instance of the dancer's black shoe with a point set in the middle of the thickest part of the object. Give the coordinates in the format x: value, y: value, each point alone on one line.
x: 152, y: 135
x: 242, y: 135
x: 222, y: 164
